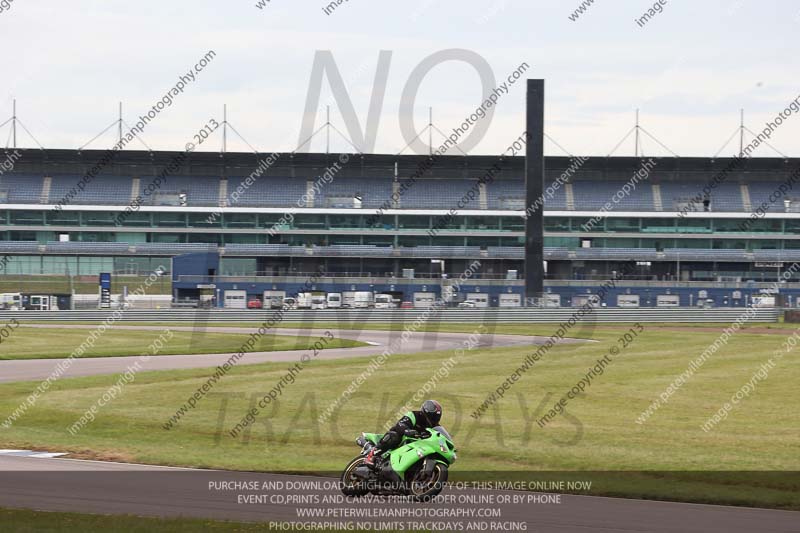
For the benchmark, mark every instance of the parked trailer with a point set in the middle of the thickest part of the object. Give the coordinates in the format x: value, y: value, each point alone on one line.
x: 364, y: 299
x: 319, y: 300
x: 349, y: 299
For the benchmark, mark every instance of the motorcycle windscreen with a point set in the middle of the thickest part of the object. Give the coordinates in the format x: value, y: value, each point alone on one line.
x: 444, y: 433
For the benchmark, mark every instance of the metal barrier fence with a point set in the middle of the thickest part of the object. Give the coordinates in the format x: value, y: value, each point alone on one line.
x: 385, y: 316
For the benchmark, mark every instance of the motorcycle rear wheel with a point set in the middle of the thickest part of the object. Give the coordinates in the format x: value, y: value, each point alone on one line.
x: 349, y: 485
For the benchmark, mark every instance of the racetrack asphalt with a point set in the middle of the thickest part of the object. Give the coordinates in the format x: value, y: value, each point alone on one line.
x: 36, y: 369
x: 118, y: 488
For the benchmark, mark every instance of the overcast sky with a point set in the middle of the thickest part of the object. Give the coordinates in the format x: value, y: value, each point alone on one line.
x: 689, y: 69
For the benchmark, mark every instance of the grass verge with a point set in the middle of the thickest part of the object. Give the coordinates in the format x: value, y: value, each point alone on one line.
x: 57, y: 343
x: 668, y: 457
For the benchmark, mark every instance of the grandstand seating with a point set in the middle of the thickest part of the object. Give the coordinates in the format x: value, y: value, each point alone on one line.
x: 699, y: 254
x: 437, y: 194
x: 267, y: 192
x: 508, y: 252
x: 760, y: 193
x: 593, y: 195
x: 354, y: 250
x: 347, y: 250
x: 102, y: 190
x: 21, y: 188
x: 373, y: 192
x: 169, y: 248
x: 724, y: 197
x: 615, y: 253
x: 19, y: 247
x: 502, y: 194
x: 87, y: 247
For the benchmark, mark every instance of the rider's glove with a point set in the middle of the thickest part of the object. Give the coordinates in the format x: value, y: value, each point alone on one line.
x: 411, y: 433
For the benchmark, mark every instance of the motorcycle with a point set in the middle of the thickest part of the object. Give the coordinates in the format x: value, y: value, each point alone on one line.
x: 418, y: 467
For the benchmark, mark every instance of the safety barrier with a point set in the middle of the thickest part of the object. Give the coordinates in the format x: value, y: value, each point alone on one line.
x: 386, y: 316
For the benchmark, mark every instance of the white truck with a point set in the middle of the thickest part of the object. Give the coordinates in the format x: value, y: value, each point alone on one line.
x: 349, y: 299
x: 319, y: 301
x: 304, y: 300
x: 11, y: 301
x: 384, y: 301
x: 334, y: 300
x: 364, y: 299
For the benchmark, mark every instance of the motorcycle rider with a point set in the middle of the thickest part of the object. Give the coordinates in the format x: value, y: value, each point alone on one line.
x: 410, y: 425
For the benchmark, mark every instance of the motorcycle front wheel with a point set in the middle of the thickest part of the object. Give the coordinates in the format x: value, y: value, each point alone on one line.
x: 424, y: 487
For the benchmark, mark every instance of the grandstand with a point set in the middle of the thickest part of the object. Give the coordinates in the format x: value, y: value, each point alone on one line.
x: 714, y: 252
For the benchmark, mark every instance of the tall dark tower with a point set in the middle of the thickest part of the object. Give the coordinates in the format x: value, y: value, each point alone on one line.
x: 534, y: 188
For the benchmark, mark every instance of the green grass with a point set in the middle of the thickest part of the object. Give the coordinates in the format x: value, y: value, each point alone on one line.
x: 46, y: 343
x: 598, y: 435
x: 20, y: 521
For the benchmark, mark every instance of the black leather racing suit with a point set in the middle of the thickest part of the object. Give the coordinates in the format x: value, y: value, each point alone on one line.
x: 412, y: 421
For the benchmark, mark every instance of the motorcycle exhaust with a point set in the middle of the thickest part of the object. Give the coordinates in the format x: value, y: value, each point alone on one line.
x: 362, y: 472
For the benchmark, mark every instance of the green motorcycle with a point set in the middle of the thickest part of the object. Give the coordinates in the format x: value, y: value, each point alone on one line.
x: 417, y: 467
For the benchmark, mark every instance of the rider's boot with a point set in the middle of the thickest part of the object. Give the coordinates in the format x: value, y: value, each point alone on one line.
x: 370, y: 460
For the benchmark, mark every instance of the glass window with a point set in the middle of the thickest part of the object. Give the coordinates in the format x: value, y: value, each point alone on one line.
x: 482, y: 241
x: 379, y: 240
x: 240, y: 220
x: 243, y: 238
x: 169, y: 220
x: 27, y: 217
x: 554, y: 224
x: 61, y: 265
x: 205, y: 220
x: 580, y: 224
x: 309, y: 221
x: 170, y: 238
x: 622, y: 224
x: 411, y: 241
x: 236, y: 266
x: 483, y: 223
x: 63, y: 218
x: 694, y: 225
x: 345, y: 221
x: 514, y: 223
x: 414, y: 222
x: 729, y: 244
x: 99, y: 218
x: 137, y: 219
x: 658, y: 225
